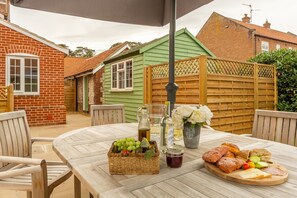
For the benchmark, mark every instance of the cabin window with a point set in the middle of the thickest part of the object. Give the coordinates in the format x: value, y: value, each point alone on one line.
x: 23, y: 73
x: 264, y: 46
x: 121, y: 75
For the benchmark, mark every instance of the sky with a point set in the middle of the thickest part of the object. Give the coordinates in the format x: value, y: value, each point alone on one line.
x: 100, y: 35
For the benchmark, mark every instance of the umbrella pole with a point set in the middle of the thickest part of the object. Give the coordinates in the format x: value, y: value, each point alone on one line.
x: 171, y: 87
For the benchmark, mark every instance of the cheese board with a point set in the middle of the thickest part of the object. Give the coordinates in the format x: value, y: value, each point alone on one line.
x: 241, y: 176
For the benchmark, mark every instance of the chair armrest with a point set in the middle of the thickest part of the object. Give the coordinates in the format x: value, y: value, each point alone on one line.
x: 42, y: 139
x: 36, y: 168
x: 20, y: 160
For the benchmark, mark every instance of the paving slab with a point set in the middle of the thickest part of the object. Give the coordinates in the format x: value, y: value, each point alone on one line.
x: 44, y: 151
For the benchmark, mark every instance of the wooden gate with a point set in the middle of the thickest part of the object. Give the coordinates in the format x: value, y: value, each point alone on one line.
x: 6, y: 98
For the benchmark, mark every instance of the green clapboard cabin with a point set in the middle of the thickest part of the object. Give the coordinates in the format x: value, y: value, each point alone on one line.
x: 123, y: 76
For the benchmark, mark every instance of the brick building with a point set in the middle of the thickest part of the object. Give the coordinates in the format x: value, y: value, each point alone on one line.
x: 239, y: 40
x: 87, y: 78
x: 35, y: 66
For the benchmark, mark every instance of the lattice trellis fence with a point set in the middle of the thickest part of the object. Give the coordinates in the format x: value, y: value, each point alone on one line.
x: 6, y: 98
x: 232, y: 90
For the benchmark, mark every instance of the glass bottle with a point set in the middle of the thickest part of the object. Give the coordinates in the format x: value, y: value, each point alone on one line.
x: 143, y: 124
x: 167, y: 130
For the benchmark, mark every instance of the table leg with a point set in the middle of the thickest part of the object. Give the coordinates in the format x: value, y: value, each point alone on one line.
x: 77, y: 188
x: 91, y: 196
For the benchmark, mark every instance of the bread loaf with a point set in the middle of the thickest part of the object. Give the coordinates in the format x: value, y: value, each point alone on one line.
x: 214, y: 154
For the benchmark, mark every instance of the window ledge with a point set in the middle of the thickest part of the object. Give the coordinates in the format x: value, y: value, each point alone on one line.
x: 121, y: 90
x: 26, y: 94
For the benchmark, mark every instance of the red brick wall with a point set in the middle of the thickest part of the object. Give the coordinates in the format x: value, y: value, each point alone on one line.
x: 229, y: 40
x: 226, y: 39
x: 98, y: 86
x: 48, y: 107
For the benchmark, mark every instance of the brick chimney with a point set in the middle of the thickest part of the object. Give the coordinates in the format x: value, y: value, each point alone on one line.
x: 266, y: 24
x: 246, y: 19
x: 4, y: 9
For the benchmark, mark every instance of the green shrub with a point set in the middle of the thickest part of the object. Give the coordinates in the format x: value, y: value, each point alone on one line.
x: 285, y: 61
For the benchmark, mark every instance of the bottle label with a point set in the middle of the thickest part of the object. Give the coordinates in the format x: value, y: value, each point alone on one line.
x: 170, y: 137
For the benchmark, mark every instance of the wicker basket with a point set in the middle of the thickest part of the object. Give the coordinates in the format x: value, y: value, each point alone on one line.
x: 134, y: 164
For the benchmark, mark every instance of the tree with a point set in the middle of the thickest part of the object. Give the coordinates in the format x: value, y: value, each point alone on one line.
x: 285, y: 61
x: 82, y: 52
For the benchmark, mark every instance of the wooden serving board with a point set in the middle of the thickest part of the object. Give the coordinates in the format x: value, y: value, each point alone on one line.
x: 235, y: 177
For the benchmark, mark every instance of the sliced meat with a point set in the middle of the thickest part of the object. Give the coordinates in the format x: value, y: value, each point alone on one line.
x: 274, y: 170
x: 215, y: 154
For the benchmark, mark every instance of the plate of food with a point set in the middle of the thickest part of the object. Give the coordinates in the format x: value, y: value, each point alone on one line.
x: 253, y: 167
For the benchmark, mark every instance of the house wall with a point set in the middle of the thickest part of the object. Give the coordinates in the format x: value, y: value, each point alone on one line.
x: 272, y: 44
x: 48, y: 107
x: 79, y: 96
x: 227, y: 39
x: 185, y: 47
x: 98, y: 86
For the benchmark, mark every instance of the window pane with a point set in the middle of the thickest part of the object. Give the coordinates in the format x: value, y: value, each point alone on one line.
x: 34, y: 79
x: 129, y: 74
x: 121, y: 80
x: 27, y: 71
x: 114, y: 76
x: 17, y: 87
x: 34, y: 71
x: 27, y: 62
x: 34, y: 88
x: 27, y: 79
x: 121, y: 66
x: 34, y: 63
x: 18, y: 62
x: 12, y: 70
x: 12, y: 62
x: 27, y: 87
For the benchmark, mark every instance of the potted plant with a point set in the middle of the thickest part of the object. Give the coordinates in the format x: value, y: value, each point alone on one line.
x: 190, y: 119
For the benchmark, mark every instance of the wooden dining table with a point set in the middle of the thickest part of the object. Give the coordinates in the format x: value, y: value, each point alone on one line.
x: 85, y: 152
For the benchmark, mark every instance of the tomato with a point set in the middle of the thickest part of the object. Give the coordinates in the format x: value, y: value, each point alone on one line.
x: 245, y: 166
x: 125, y: 152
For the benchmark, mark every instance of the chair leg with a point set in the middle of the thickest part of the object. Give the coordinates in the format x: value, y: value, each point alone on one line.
x: 29, y: 194
x: 77, y: 188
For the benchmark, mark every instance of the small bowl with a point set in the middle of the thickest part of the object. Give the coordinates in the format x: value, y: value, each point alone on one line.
x: 174, y: 157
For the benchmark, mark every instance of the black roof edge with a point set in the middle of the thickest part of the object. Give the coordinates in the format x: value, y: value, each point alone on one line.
x: 121, y: 57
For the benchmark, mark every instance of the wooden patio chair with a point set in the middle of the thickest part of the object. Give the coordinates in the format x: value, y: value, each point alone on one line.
x: 107, y: 114
x: 18, y: 170
x: 279, y: 126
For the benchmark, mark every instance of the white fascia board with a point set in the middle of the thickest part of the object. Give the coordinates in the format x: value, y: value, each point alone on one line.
x: 98, y: 68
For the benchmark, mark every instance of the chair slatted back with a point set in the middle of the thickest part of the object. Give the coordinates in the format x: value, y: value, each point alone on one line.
x: 276, y: 126
x: 15, y: 138
x: 107, y: 114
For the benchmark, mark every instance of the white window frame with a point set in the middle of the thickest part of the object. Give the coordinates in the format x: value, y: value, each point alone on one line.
x: 277, y: 46
x: 22, y: 57
x: 124, y: 69
x: 264, y: 46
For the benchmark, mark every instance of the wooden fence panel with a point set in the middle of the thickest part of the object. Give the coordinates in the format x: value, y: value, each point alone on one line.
x: 70, y: 94
x: 6, y: 98
x: 231, y: 89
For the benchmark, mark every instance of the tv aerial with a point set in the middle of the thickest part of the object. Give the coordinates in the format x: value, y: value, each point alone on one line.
x: 251, y: 10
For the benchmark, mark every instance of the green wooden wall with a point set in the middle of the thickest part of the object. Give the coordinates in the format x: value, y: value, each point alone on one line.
x: 132, y: 99
x: 185, y: 47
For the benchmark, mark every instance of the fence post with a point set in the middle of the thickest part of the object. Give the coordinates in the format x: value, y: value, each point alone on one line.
x: 256, y: 83
x: 275, y: 89
x: 10, y: 98
x: 147, y: 87
x: 203, y: 80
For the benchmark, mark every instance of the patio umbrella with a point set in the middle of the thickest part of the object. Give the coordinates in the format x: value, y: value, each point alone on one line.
x: 141, y: 12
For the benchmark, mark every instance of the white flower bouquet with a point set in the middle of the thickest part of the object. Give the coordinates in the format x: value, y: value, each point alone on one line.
x: 199, y: 115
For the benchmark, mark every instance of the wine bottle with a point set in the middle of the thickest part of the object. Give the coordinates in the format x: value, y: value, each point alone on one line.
x: 167, y: 130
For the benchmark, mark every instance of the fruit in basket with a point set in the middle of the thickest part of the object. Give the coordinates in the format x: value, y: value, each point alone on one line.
x: 126, y: 146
